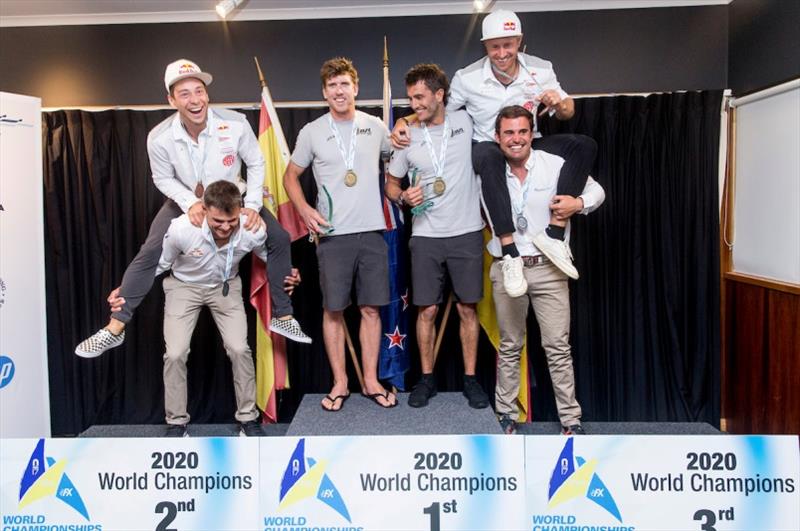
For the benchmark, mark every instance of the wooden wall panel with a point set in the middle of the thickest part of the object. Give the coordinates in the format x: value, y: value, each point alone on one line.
x: 761, y: 390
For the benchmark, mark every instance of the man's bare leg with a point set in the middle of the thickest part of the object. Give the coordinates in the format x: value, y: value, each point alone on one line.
x: 333, y: 336
x: 469, y: 331
x: 370, y: 337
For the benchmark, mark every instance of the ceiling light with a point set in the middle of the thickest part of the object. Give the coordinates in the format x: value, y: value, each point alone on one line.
x: 225, y: 7
x: 483, y: 5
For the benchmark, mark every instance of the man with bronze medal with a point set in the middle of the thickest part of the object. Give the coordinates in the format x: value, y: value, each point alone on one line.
x: 188, y: 151
x: 447, y: 235
x: 344, y: 149
x: 531, y: 181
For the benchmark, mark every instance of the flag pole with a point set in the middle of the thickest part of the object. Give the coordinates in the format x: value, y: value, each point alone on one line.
x: 260, y: 73
x: 440, y: 334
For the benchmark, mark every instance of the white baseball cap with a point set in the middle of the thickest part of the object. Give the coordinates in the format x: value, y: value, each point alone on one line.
x: 501, y: 24
x: 183, y: 68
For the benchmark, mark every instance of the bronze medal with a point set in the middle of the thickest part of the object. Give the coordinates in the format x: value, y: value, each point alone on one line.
x: 350, y: 178
x: 439, y: 186
x: 199, y: 191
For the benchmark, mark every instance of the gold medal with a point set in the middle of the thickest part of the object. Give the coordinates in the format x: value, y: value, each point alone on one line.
x: 350, y: 178
x: 439, y: 186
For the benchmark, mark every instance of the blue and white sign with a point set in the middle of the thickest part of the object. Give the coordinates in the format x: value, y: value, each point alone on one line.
x: 397, y: 482
x: 24, y: 394
x: 625, y: 483
x: 104, y: 484
x: 6, y: 371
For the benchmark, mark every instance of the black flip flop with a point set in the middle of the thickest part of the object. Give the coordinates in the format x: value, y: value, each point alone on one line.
x: 333, y: 400
x: 385, y: 395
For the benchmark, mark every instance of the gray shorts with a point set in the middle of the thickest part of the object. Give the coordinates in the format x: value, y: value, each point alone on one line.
x: 360, y: 259
x: 460, y: 256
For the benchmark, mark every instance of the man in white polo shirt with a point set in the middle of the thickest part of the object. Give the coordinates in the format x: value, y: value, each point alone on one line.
x: 447, y: 237
x: 344, y: 148
x: 205, y: 264
x: 188, y: 151
x: 507, y: 77
x: 531, y: 181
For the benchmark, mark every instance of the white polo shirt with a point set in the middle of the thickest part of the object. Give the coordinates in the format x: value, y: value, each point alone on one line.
x: 179, y: 163
x: 194, y: 257
x: 543, y: 170
x: 476, y: 88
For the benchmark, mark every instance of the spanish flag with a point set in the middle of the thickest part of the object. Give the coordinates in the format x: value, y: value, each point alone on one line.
x: 271, y: 367
x: 488, y: 320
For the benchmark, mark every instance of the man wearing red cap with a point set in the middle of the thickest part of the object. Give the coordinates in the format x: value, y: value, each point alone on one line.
x: 188, y: 151
x: 507, y: 77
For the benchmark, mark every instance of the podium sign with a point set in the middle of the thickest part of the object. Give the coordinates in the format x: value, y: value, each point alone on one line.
x: 628, y: 483
x: 100, y: 484
x: 392, y: 482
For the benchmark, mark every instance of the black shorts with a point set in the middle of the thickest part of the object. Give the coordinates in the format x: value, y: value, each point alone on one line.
x: 460, y: 256
x: 359, y: 259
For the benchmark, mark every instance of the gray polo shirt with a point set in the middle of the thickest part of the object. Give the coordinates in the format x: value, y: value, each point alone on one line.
x: 457, y: 211
x: 357, y: 208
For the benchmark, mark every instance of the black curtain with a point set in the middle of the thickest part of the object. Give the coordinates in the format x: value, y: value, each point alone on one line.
x: 645, y: 329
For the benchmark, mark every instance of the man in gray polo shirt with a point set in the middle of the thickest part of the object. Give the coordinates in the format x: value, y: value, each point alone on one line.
x: 447, y: 238
x: 344, y: 148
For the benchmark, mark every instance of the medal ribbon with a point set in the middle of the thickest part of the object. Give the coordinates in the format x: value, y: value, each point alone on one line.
x: 226, y: 272
x: 349, y: 156
x: 519, y: 207
x: 438, y: 163
x: 198, y: 163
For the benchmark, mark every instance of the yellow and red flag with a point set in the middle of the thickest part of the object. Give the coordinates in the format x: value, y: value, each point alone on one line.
x: 272, y: 372
x: 488, y: 320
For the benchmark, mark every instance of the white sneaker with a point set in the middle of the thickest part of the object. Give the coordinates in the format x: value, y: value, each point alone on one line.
x: 558, y: 252
x: 513, y: 280
x: 289, y: 329
x: 101, y: 341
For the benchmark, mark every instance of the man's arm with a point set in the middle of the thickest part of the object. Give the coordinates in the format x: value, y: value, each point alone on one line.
x: 164, y: 177
x: 565, y: 206
x: 170, y: 248
x: 457, y: 97
x: 250, y: 152
x: 593, y: 196
x: 291, y: 181
x: 562, y: 107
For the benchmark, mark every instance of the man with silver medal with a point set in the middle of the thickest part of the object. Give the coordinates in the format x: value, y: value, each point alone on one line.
x: 531, y: 180
x: 344, y: 149
x: 447, y: 238
x: 503, y: 77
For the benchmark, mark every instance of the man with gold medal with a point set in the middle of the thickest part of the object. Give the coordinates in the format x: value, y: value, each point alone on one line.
x: 344, y: 149
x: 447, y: 225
